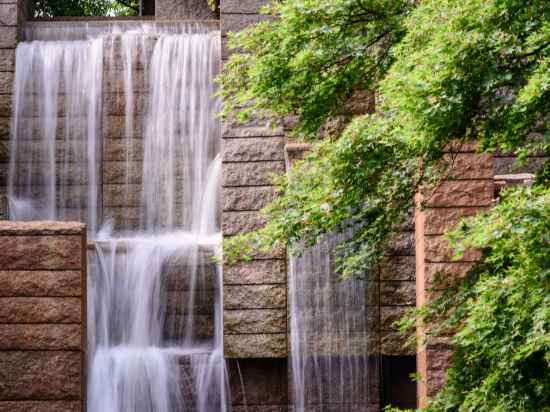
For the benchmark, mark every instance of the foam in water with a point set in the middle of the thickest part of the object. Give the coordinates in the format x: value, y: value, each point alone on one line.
x: 154, y: 291
x: 333, y: 350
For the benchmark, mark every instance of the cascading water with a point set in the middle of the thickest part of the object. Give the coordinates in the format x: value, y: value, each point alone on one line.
x: 154, y: 291
x: 332, y: 344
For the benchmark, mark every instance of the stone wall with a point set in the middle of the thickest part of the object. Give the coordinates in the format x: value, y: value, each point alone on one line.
x: 468, y: 191
x: 184, y: 9
x: 255, y: 292
x: 42, y: 316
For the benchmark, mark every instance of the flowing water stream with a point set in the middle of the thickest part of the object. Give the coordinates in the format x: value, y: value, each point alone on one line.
x: 154, y: 291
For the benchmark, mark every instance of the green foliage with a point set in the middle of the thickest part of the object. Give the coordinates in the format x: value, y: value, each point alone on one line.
x: 501, y: 310
x: 55, y: 8
x: 444, y: 72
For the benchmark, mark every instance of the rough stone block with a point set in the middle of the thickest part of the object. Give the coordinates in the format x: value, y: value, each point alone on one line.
x: 40, y: 406
x: 437, y: 250
x: 40, y: 337
x: 443, y: 275
x: 462, y: 193
x: 253, y: 149
x: 255, y: 128
x: 6, y: 82
x: 255, y: 297
x: 5, y: 100
x: 238, y: 22
x: 394, y: 344
x: 40, y: 283
x: 469, y: 166
x: 40, y: 310
x: 397, y: 293
x: 398, y: 268
x: 403, y: 244
x: 41, y: 252
x: 8, y: 14
x: 237, y: 322
x: 389, y: 315
x: 255, y: 346
x: 241, y: 222
x: 7, y: 60
x: 183, y: 9
x: 441, y: 220
x: 241, y: 6
x: 250, y: 174
x: 509, y: 165
x: 41, y: 228
x: 255, y: 272
x: 247, y: 198
x: 40, y: 375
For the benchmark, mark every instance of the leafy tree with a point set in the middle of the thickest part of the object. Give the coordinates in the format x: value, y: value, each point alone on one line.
x: 444, y: 72
x: 52, y: 8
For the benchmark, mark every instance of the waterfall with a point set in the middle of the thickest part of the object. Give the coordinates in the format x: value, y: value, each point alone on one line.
x: 332, y: 344
x: 154, y: 289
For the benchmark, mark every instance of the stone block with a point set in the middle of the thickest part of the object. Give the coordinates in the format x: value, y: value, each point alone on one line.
x: 468, y: 166
x: 254, y: 297
x: 253, y: 149
x: 41, y: 228
x: 241, y: 6
x: 114, y: 127
x: 403, y: 244
x: 238, y: 22
x: 394, y: 344
x: 117, y: 150
x: 272, y: 345
x: 441, y: 220
x: 183, y: 9
x: 41, y: 252
x: 8, y: 14
x: 5, y: 101
x: 122, y: 172
x: 254, y: 128
x: 398, y: 268
x: 250, y: 174
x: 7, y: 60
x: 40, y: 310
x: 40, y: 406
x: 40, y: 337
x: 241, y: 222
x: 237, y: 322
x: 8, y: 37
x: 509, y: 165
x: 443, y: 275
x: 462, y: 193
x: 6, y: 82
x: 38, y: 375
x: 39, y: 283
x: 398, y: 293
x: 247, y: 198
x: 389, y: 315
x: 5, y: 126
x: 437, y: 250
x: 255, y: 272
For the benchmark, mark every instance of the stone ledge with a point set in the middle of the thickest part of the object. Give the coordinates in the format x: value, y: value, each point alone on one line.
x: 256, y: 346
x: 41, y: 228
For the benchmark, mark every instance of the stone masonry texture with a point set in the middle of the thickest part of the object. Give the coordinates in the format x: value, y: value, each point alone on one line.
x: 468, y: 190
x: 42, y: 316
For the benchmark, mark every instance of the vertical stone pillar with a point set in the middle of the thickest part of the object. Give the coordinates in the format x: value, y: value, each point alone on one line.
x: 468, y: 190
x: 42, y: 316
x: 255, y: 292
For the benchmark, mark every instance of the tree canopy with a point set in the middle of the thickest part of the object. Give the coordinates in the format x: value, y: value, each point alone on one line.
x: 444, y: 72
x: 53, y: 8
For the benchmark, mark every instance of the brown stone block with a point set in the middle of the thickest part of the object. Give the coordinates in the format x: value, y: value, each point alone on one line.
x: 251, y: 173
x: 241, y: 222
x: 241, y: 6
x: 437, y: 250
x: 122, y: 172
x: 40, y: 283
x: 40, y: 406
x: 6, y: 82
x: 117, y: 150
x: 255, y: 272
x: 468, y: 166
x: 398, y: 293
x: 40, y: 337
x: 441, y: 220
x: 462, y: 193
x: 403, y: 244
x: 253, y: 149
x: 238, y: 22
x: 247, y: 198
x: 393, y: 344
x: 7, y: 60
x: 40, y: 310
x: 509, y: 165
x: 255, y: 346
x: 5, y: 125
x: 41, y: 228
x: 114, y: 127
x: 8, y: 14
x: 391, y: 314
x: 5, y: 102
x: 398, y: 268
x: 445, y: 273
x: 40, y: 375
x: 41, y: 252
x: 255, y: 297
x: 254, y: 128
x: 254, y: 321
